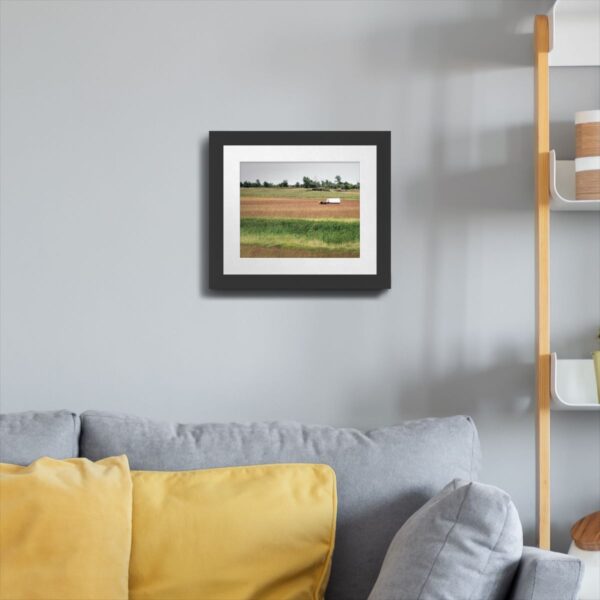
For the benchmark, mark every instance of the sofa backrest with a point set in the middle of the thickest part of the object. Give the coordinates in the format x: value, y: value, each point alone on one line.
x: 383, y: 476
x: 27, y: 436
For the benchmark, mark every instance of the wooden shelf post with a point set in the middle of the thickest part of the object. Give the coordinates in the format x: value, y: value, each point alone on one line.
x: 542, y: 195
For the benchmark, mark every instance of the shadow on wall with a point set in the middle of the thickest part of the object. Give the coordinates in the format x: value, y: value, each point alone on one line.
x: 203, y: 225
x: 493, y: 35
x: 450, y: 205
x: 472, y: 392
x: 452, y: 198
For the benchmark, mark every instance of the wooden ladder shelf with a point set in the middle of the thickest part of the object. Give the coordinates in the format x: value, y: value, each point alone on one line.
x: 542, y: 176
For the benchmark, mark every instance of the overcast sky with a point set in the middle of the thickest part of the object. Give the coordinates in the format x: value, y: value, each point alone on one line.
x: 275, y: 172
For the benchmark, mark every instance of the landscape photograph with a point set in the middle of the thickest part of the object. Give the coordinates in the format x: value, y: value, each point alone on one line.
x: 299, y: 210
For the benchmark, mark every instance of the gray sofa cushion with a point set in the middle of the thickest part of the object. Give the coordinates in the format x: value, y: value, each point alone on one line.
x: 383, y: 476
x: 545, y: 575
x: 464, y: 544
x: 27, y: 436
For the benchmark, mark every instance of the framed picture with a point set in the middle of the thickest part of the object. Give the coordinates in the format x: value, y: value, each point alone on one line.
x: 299, y: 210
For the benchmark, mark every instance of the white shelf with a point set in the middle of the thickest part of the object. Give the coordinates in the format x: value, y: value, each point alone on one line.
x: 573, y: 384
x: 574, y: 33
x: 562, y: 187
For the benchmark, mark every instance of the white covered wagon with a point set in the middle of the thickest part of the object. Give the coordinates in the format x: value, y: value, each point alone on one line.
x: 331, y: 201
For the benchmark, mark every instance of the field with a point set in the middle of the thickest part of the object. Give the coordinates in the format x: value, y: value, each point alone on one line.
x: 291, y: 223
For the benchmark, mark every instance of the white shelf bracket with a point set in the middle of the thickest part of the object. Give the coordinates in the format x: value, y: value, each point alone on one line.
x: 562, y: 187
x: 573, y: 384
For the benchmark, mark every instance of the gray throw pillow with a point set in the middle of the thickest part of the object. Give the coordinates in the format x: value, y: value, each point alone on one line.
x: 464, y: 544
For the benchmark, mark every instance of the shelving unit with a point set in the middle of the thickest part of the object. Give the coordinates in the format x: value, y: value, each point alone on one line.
x: 568, y: 36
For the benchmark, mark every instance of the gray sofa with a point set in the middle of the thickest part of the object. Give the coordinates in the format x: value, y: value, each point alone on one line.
x: 383, y: 476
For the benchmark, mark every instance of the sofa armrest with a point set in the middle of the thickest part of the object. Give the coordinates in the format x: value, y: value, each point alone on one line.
x: 544, y: 575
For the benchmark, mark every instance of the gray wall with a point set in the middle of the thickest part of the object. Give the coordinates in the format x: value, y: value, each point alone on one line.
x: 105, y: 113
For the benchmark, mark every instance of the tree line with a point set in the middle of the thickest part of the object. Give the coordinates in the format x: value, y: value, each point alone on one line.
x: 307, y: 183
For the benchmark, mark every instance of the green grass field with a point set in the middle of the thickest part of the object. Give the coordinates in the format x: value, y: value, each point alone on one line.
x: 300, y: 237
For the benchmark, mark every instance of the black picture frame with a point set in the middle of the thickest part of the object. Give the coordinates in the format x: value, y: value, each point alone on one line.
x: 378, y: 281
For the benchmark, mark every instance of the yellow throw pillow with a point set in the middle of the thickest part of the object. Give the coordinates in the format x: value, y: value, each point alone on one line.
x: 240, y: 533
x: 65, y: 529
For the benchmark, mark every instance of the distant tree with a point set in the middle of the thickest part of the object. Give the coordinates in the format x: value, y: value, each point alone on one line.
x: 338, y: 180
x: 284, y: 183
x: 307, y: 182
x: 257, y: 183
x: 267, y: 184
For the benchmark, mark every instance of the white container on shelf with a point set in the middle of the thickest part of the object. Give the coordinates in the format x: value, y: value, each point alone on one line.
x: 587, y: 154
x: 587, y: 116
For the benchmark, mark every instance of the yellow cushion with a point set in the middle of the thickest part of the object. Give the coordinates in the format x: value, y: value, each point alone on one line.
x: 240, y: 533
x: 65, y: 529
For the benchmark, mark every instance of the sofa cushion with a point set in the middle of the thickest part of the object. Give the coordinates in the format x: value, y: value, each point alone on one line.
x: 27, y: 436
x: 383, y: 476
x: 546, y: 575
x: 464, y: 544
x: 264, y: 532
